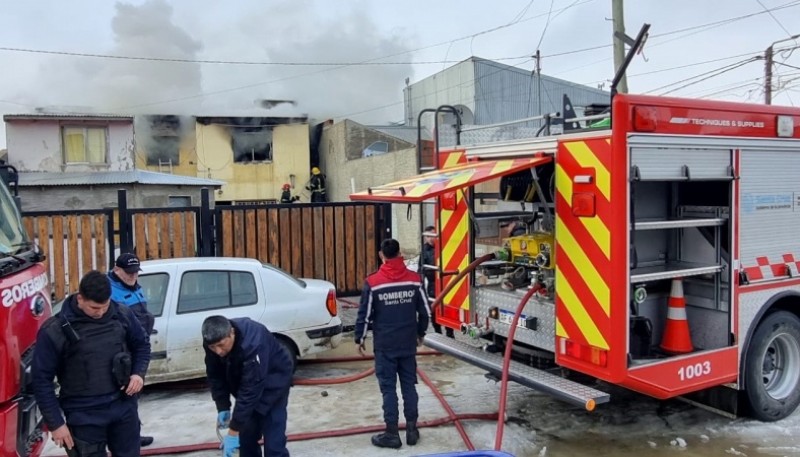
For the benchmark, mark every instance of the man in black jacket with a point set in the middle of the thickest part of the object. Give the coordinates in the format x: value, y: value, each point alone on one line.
x: 99, y: 352
x: 429, y: 267
x: 394, y: 300
x: 244, y: 360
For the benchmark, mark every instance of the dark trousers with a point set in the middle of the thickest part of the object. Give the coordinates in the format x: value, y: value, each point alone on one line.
x: 272, y: 426
x: 116, y: 424
x: 388, y: 368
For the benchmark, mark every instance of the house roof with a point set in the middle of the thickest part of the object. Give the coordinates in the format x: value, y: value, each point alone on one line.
x: 69, y: 116
x: 100, y: 178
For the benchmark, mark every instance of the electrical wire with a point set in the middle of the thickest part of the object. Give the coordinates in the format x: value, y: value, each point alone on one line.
x: 705, y: 75
x: 705, y: 27
x: 775, y: 18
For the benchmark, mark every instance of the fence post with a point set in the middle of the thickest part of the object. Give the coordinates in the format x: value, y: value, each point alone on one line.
x: 125, y: 225
x: 206, y: 224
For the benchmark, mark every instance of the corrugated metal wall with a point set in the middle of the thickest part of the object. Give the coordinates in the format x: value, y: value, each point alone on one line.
x: 505, y: 93
x: 494, y: 92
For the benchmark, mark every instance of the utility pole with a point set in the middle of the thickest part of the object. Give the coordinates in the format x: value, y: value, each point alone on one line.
x: 768, y: 62
x: 618, y: 17
x: 768, y: 75
x: 539, y: 79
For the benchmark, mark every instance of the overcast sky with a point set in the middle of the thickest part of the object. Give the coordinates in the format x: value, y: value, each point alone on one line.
x: 419, y: 38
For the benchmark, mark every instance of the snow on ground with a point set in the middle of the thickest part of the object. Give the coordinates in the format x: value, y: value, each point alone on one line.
x: 538, y: 425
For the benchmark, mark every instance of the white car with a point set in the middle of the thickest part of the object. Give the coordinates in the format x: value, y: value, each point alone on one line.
x: 181, y: 293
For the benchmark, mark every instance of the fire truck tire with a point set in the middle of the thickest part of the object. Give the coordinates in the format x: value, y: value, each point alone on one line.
x: 772, y: 370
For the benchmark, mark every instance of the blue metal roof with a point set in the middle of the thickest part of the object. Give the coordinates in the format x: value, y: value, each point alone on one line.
x: 100, y: 178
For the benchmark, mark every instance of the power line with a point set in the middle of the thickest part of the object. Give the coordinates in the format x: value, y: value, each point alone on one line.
x: 708, y: 75
x: 706, y: 26
x: 419, y: 97
x: 232, y: 62
x: 787, y: 65
x: 373, y: 61
x: 775, y: 18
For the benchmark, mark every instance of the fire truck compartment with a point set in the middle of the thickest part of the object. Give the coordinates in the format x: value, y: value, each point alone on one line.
x: 520, y: 373
x: 544, y: 334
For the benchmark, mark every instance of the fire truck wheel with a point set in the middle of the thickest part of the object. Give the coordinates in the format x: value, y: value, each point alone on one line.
x: 772, y: 370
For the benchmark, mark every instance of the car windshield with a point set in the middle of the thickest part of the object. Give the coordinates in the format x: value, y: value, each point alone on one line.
x: 13, y: 238
x: 299, y: 282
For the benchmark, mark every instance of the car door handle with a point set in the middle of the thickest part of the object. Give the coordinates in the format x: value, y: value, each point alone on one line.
x: 154, y: 332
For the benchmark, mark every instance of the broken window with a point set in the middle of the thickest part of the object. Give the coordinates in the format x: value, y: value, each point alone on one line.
x: 84, y: 144
x: 251, y: 144
x: 165, y: 140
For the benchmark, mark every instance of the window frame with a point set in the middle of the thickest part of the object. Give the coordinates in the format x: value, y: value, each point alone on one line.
x: 148, y: 297
x: 242, y: 130
x: 229, y: 304
x: 85, y: 129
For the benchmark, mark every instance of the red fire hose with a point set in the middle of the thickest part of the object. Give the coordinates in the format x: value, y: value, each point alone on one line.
x: 459, y: 276
x: 501, y: 412
x: 451, y: 418
x: 452, y: 414
x: 212, y: 446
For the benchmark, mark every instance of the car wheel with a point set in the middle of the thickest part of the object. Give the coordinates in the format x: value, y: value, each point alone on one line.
x: 772, y: 367
x: 290, y: 349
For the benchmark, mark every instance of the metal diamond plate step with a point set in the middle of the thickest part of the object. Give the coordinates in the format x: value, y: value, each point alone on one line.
x: 564, y: 389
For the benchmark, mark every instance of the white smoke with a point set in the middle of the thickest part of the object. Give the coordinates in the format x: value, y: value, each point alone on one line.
x: 286, y: 31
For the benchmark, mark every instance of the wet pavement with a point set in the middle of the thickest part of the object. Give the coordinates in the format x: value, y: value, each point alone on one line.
x: 631, y: 425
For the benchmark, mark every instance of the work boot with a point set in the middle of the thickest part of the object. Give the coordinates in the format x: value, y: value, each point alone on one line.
x: 145, y: 441
x: 412, y: 433
x: 390, y: 438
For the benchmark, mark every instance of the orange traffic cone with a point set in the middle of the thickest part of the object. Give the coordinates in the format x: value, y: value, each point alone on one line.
x: 676, y: 339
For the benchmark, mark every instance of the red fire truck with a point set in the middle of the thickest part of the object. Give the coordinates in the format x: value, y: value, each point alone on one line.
x: 662, y: 248
x: 24, y: 306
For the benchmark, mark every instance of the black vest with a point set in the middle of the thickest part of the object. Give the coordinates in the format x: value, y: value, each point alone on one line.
x: 86, y: 368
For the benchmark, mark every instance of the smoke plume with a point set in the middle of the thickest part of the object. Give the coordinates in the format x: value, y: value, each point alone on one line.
x: 286, y: 31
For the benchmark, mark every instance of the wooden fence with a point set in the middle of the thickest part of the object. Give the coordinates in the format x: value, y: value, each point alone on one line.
x: 74, y: 242
x: 163, y: 233
x: 337, y: 242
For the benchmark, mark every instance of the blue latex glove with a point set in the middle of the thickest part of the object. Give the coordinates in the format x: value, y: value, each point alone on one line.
x: 230, y: 444
x: 223, y: 419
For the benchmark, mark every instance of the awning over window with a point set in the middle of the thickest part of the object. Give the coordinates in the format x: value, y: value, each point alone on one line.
x: 432, y: 184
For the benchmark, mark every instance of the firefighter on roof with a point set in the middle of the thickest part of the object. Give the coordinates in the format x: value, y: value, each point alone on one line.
x: 316, y: 185
x: 286, y: 194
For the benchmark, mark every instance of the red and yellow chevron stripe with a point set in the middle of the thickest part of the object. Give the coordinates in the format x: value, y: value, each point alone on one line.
x: 456, y: 176
x: 455, y: 241
x: 585, y: 257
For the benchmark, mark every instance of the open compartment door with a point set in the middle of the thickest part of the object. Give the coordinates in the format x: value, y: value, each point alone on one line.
x: 435, y: 183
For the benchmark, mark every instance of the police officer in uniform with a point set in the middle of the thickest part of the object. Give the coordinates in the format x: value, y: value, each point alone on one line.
x: 99, y: 353
x: 245, y: 361
x: 394, y: 300
x: 126, y: 291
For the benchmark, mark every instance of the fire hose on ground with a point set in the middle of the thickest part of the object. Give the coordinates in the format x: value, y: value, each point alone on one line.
x: 452, y: 417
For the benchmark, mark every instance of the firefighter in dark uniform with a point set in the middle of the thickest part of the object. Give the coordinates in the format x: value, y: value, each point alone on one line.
x: 99, y: 353
x: 244, y: 360
x: 394, y: 300
x: 428, y: 261
x: 316, y: 185
x: 286, y: 194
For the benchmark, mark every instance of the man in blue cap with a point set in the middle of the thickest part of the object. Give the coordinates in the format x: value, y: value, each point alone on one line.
x: 126, y: 291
